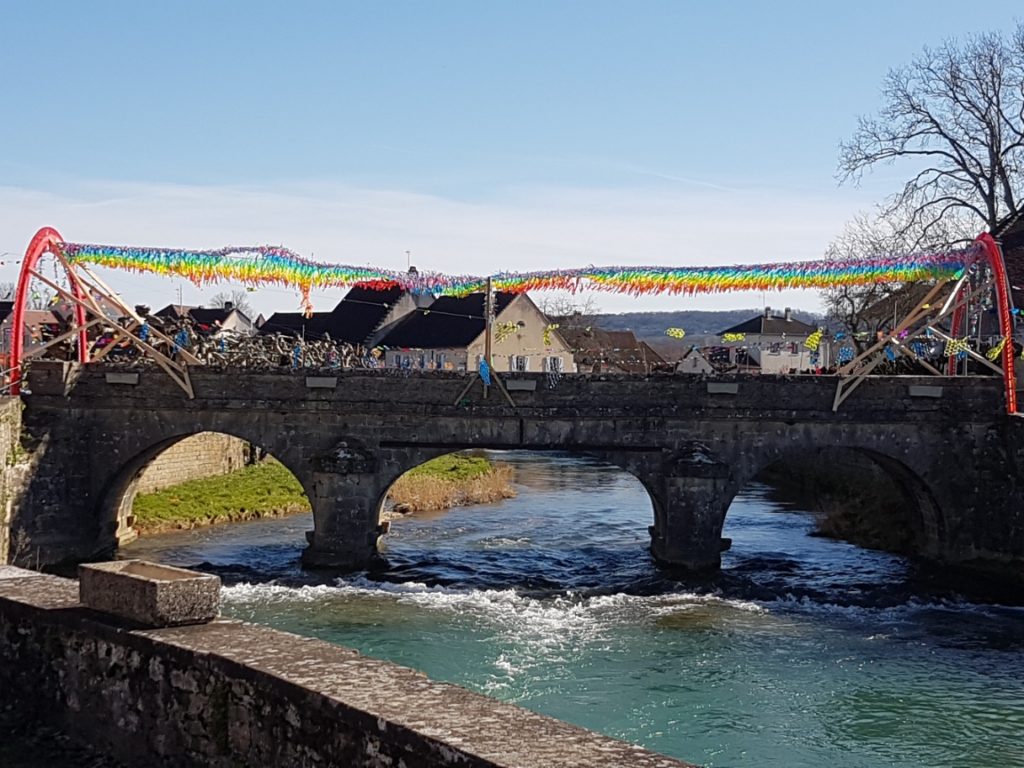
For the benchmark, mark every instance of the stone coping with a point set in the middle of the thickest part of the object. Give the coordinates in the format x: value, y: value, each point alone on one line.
x: 484, y: 731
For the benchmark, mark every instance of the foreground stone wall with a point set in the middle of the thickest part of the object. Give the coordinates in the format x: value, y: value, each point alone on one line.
x: 207, y: 454
x: 230, y: 694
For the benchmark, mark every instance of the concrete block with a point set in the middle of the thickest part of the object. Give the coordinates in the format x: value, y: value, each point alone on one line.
x: 122, y: 378
x: 723, y: 387
x: 321, y: 382
x: 149, y: 594
x: 922, y: 391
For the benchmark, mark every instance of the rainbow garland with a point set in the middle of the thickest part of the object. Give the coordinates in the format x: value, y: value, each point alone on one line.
x: 263, y: 265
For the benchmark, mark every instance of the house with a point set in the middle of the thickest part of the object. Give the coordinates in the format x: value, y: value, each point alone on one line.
x: 40, y: 325
x: 449, y: 334
x: 596, y: 350
x: 363, y: 316
x: 775, y: 344
x: 214, y: 320
x: 694, y: 361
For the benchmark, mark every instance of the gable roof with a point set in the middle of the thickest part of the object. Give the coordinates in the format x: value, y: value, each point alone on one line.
x: 772, y: 326
x: 619, y: 349
x: 359, y: 313
x: 449, y: 322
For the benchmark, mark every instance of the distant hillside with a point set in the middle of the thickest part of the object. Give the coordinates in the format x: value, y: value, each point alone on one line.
x: 652, y: 325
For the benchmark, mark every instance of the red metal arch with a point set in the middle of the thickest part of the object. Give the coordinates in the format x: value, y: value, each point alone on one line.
x: 46, y: 240
x: 1005, y: 309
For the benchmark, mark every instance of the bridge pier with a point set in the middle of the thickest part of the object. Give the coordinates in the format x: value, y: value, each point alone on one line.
x: 345, y: 527
x: 691, y: 496
x: 688, y: 529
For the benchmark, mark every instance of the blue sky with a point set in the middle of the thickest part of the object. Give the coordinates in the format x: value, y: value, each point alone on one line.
x: 480, y: 136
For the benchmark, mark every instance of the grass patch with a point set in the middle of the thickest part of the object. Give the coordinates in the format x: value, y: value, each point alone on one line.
x: 268, y: 489
x: 454, y: 466
x: 259, y: 490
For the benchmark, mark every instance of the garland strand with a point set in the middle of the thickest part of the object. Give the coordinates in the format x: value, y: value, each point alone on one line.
x: 262, y: 265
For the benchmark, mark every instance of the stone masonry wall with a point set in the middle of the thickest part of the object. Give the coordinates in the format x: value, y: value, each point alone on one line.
x: 229, y: 694
x: 207, y: 454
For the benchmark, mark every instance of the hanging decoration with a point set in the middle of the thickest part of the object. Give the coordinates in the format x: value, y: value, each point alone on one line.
x: 262, y: 265
x: 997, y: 350
x: 845, y: 354
x: 547, y: 333
x: 675, y: 333
x: 731, y: 337
x: 503, y: 330
x: 813, y: 341
x: 956, y: 347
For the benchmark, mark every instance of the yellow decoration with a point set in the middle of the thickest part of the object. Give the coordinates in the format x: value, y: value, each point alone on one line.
x: 997, y: 350
x: 956, y: 346
x: 503, y: 330
x: 727, y: 337
x: 675, y: 333
x: 547, y: 332
x: 814, y: 340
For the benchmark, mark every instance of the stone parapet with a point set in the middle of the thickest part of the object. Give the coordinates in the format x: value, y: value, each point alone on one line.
x: 227, y: 693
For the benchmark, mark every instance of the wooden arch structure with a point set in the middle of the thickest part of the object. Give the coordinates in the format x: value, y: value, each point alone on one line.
x: 87, y: 295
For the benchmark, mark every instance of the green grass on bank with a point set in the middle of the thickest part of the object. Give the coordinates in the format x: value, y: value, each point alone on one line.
x: 256, y: 490
x: 265, y: 489
x: 455, y: 466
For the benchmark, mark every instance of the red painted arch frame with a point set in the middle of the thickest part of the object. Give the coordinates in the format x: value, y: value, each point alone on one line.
x: 1004, y: 306
x: 46, y: 240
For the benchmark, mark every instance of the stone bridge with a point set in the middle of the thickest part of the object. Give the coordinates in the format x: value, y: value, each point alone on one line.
x: 692, y: 442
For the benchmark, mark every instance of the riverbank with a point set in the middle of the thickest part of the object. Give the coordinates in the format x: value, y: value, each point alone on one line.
x: 454, y: 480
x: 268, y: 489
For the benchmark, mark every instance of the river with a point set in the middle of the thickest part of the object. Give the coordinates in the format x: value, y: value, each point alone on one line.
x: 802, y: 652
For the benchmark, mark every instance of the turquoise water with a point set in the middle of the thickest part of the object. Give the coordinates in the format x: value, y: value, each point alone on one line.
x: 802, y: 652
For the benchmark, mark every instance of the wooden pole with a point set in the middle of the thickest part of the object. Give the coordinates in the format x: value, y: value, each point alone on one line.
x: 488, y: 318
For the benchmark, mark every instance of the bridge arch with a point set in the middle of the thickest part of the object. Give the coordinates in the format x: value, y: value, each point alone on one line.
x: 831, y: 472
x: 620, y: 464
x: 122, y: 485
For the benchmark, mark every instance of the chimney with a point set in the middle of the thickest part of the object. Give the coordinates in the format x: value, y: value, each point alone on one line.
x: 788, y: 314
x: 229, y: 305
x: 767, y: 311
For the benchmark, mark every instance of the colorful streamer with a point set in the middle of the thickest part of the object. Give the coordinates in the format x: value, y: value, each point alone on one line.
x: 259, y: 265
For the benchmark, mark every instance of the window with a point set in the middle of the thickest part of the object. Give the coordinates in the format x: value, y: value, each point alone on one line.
x: 519, y: 363
x: 552, y: 364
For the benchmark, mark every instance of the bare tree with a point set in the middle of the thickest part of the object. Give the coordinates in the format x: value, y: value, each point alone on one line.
x: 570, y: 311
x: 954, y: 117
x: 237, y: 298
x: 863, y: 310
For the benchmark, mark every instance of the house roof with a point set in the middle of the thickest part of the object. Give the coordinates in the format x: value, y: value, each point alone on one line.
x: 359, y: 313
x: 448, y: 323
x: 772, y: 326
x: 619, y: 349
